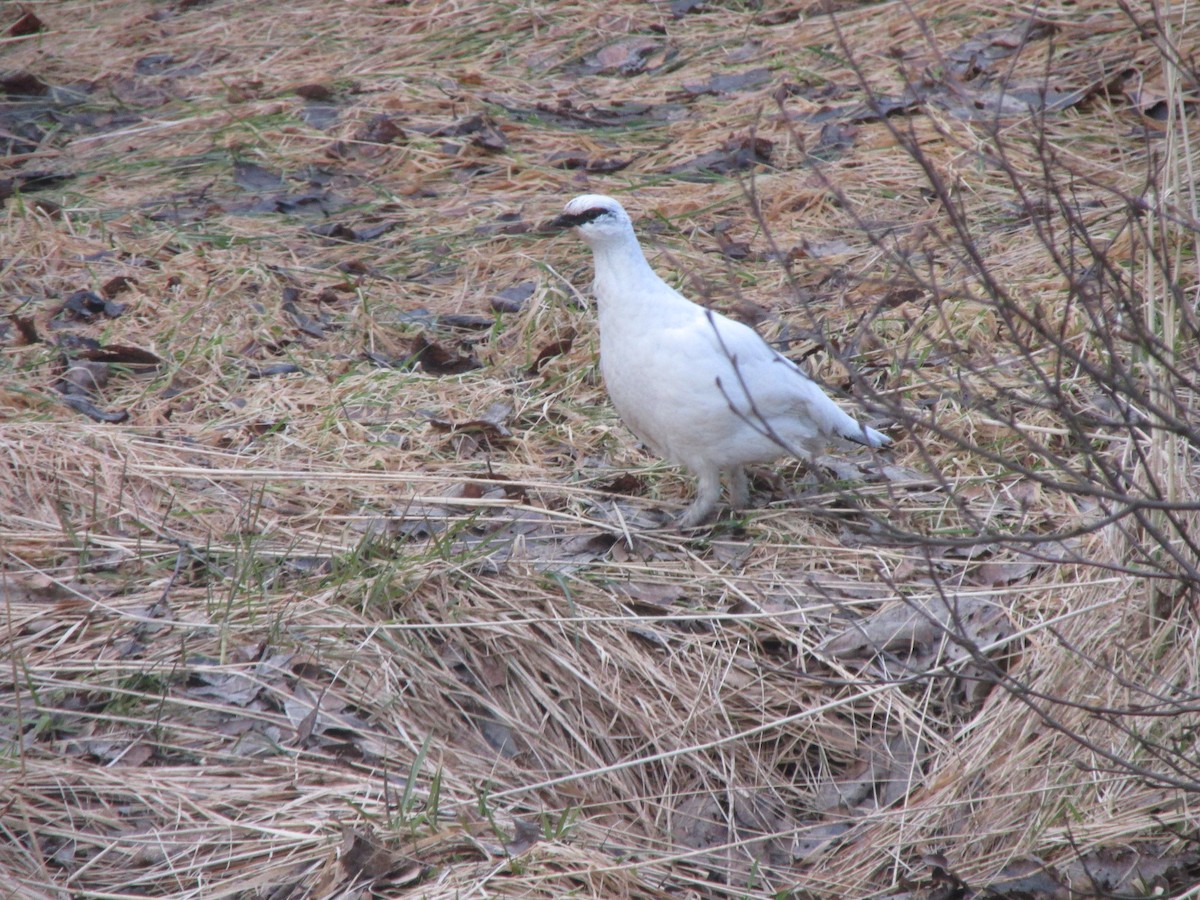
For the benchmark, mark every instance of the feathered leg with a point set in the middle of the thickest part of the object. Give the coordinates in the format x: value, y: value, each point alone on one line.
x: 739, y: 487
x: 708, y: 492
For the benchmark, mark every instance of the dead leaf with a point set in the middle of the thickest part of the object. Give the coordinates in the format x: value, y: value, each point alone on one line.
x: 1127, y: 872
x: 437, y: 359
x: 922, y: 630
x: 139, y: 361
x: 491, y: 423
x: 560, y: 347
x: 725, y: 83
x: 887, y: 770
x: 86, y: 305
x: 314, y: 91
x: 363, y: 855
x: 380, y: 129
x: 26, y: 25
x: 1003, y: 572
x: 254, y: 177
x: 512, y: 299
x: 735, y: 155
x: 525, y: 835
x: 117, y: 285
x: 593, y: 165
x: 978, y: 54
x: 483, y: 131
x: 741, y: 830
x: 651, y: 594
x: 625, y: 57
x: 82, y: 405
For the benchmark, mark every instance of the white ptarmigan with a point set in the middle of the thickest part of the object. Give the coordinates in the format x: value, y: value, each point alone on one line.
x: 699, y: 389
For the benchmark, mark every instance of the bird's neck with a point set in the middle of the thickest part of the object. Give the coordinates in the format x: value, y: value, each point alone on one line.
x: 621, y: 269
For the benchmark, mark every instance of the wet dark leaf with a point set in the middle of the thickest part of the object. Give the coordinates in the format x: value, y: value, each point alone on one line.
x: 512, y: 299
x: 41, y: 181
x: 82, y: 404
x: 334, y: 231
x: 254, y: 177
x: 23, y: 84
x: 272, y: 370
x: 595, y: 165
x: 722, y: 83
x: 374, y: 231
x: 322, y: 116
x: 977, y: 55
x: 303, y: 320
x: 137, y: 359
x: 86, y: 305
x: 154, y: 64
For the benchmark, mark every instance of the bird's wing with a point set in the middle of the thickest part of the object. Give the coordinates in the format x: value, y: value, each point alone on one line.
x: 760, y: 381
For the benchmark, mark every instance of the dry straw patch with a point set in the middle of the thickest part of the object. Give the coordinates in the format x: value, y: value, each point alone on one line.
x: 363, y: 591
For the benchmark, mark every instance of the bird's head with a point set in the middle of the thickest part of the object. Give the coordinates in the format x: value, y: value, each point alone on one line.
x: 596, y: 218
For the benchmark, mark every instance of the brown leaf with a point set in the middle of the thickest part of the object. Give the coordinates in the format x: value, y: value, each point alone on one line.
x: 437, y: 359
x: 556, y: 348
x: 364, y: 856
x: 116, y: 285
x: 23, y: 84
x: 26, y: 25
x: 314, y: 91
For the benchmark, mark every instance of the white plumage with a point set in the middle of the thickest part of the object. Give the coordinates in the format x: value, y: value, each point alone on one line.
x: 699, y: 389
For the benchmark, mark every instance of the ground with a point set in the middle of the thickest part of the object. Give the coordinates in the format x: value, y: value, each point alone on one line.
x: 328, y: 571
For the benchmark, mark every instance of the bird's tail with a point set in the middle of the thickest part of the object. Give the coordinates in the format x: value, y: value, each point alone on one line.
x: 868, y: 437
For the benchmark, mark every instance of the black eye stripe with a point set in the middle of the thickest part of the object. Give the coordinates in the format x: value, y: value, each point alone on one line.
x: 588, y: 215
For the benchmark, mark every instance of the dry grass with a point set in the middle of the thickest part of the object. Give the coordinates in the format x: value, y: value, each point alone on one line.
x: 342, y: 629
